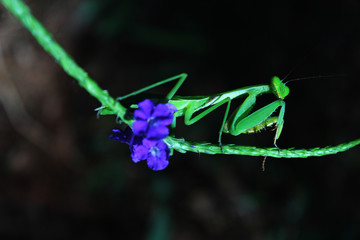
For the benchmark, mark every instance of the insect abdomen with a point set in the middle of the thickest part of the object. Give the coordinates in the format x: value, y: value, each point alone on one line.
x: 268, y: 123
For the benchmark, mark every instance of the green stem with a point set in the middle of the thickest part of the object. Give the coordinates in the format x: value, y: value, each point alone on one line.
x: 44, y: 38
x: 183, y: 146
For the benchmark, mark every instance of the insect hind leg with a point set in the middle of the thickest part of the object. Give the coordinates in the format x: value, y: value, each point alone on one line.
x: 180, y: 80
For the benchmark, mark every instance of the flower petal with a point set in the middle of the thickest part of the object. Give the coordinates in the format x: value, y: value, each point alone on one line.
x: 163, y: 146
x: 135, y: 140
x: 160, y: 110
x: 139, y: 114
x: 139, y: 152
x: 118, y: 135
x: 157, y: 164
x: 164, y: 113
x: 157, y: 132
x: 145, y: 109
x: 171, y: 107
x: 165, y: 121
x: 158, y: 158
x: 140, y: 127
x: 124, y: 136
x: 149, y: 143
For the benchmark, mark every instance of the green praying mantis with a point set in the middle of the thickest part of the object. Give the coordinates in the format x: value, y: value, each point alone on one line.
x: 241, y: 120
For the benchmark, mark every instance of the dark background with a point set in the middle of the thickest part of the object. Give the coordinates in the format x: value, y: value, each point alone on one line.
x: 61, y: 177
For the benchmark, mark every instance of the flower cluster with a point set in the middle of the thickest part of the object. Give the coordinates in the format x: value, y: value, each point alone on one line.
x: 149, y: 129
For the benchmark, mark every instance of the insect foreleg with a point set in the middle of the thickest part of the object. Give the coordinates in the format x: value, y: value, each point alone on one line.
x: 240, y: 113
x: 258, y: 117
x: 280, y: 123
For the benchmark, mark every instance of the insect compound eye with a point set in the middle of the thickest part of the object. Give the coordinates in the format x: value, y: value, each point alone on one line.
x: 279, y: 88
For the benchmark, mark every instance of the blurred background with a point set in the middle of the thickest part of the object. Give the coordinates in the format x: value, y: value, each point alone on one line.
x: 61, y: 177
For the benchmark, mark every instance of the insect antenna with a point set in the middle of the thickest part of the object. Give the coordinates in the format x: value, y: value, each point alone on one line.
x: 314, y: 77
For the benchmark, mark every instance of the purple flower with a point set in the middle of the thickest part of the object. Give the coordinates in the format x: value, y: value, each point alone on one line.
x: 157, y: 153
x: 126, y: 136
x: 151, y: 120
x: 122, y: 136
x: 149, y: 128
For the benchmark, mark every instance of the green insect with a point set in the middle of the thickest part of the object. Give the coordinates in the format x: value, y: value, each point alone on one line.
x: 241, y: 120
